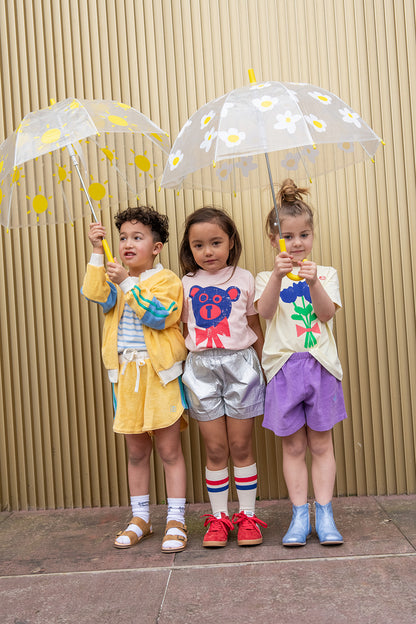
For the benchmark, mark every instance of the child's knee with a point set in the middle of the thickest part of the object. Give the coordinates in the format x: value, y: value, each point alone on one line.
x: 320, y: 443
x: 170, y: 454
x: 217, y: 453
x: 294, y: 448
x: 138, y: 456
x: 240, y: 451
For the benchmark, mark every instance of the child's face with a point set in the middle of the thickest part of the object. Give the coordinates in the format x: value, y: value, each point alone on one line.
x: 137, y: 248
x: 298, y: 235
x: 210, y: 246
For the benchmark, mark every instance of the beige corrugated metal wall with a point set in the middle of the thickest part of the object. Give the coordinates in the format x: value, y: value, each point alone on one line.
x: 167, y: 58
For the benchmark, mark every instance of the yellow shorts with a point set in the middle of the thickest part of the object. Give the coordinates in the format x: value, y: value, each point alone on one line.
x: 154, y: 406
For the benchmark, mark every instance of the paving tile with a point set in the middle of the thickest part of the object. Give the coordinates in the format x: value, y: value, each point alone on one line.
x: 76, y: 540
x: 402, y: 512
x: 93, y: 598
x: 290, y: 592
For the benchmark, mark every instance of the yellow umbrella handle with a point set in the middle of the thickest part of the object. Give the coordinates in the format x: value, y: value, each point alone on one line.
x: 107, y: 251
x: 292, y: 276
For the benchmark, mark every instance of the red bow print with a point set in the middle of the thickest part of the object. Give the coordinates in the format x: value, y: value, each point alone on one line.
x: 211, y: 334
x: 302, y: 330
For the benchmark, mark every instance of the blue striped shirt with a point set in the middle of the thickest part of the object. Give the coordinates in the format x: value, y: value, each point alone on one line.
x: 130, y: 331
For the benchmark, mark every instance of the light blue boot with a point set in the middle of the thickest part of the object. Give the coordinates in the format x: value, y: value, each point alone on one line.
x: 328, y: 533
x: 300, y: 527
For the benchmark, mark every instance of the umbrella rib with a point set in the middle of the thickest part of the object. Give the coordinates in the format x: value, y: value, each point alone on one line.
x: 67, y: 206
x: 304, y: 165
x: 301, y: 114
x: 76, y: 165
x: 10, y: 206
x: 367, y: 152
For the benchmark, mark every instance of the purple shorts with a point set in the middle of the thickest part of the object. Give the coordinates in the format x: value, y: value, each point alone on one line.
x: 303, y: 393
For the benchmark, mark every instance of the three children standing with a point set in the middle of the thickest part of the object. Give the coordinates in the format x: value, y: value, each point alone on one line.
x: 222, y: 346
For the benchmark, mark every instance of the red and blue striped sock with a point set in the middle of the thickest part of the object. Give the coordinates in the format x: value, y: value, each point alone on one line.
x: 217, y: 485
x: 245, y: 479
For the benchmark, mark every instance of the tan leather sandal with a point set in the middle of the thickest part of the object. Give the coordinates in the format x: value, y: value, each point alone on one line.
x: 146, y: 528
x: 174, y: 524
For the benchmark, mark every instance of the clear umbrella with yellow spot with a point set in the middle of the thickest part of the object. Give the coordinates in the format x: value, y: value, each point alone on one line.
x: 76, y: 157
x: 287, y: 129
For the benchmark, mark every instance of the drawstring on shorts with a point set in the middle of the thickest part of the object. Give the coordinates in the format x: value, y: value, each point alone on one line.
x: 133, y: 355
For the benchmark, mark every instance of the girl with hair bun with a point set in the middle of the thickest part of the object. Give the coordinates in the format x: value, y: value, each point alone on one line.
x: 304, y: 397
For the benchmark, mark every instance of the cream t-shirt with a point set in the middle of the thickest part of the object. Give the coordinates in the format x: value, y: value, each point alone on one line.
x: 296, y: 328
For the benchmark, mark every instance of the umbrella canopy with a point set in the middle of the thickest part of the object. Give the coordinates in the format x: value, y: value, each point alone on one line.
x: 106, y: 149
x: 305, y: 131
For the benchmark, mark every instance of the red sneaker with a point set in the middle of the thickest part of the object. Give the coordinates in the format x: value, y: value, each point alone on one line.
x: 249, y: 533
x: 217, y: 534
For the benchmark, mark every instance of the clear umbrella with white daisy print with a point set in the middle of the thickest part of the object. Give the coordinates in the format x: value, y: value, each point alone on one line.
x: 294, y: 130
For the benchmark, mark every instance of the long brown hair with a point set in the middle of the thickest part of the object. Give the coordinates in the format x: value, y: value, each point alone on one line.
x: 209, y: 214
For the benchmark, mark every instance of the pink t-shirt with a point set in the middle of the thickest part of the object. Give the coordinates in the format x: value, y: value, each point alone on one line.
x: 216, y: 307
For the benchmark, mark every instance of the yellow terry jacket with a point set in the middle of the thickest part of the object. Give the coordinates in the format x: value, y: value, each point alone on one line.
x: 157, y: 301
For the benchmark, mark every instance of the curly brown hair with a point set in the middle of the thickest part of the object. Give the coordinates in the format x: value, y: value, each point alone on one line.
x: 209, y: 214
x: 158, y: 223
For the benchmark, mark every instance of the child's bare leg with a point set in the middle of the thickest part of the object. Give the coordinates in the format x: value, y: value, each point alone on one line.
x: 323, y: 464
x: 139, y: 448
x: 240, y: 439
x: 169, y: 447
x: 296, y: 476
x: 294, y: 466
x: 214, y: 433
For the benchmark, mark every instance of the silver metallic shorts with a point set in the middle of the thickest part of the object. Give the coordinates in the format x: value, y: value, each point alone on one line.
x: 222, y: 382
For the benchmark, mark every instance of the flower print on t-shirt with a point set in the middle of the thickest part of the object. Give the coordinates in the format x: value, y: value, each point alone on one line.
x: 303, y: 311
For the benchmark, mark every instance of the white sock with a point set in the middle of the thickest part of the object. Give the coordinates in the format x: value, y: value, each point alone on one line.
x: 245, y: 479
x: 140, y: 509
x: 176, y: 511
x: 217, y: 485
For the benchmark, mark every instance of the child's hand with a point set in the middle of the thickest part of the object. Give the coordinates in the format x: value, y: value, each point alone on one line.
x: 96, y: 234
x: 116, y: 272
x: 308, y: 271
x: 283, y: 264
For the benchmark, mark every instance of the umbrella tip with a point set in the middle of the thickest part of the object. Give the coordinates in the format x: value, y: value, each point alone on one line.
x: 252, y: 76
